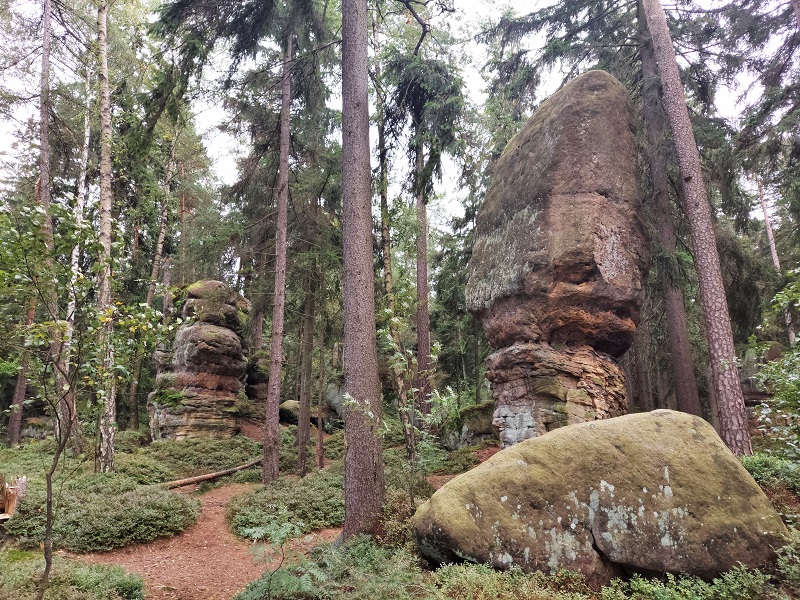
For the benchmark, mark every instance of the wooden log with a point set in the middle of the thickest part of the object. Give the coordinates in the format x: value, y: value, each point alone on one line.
x: 211, y: 476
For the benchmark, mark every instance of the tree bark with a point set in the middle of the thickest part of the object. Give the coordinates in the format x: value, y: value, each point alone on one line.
x: 70, y: 403
x: 133, y: 398
x: 363, y: 476
x: 733, y: 419
x: 796, y: 7
x: 18, y: 399
x: 306, y: 363
x: 423, y: 384
x: 272, y: 432
x: 680, y: 350
x: 108, y: 416
x: 320, y: 454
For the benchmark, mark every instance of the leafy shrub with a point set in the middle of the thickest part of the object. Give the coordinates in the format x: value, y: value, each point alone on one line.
x: 780, y: 416
x: 315, y: 502
x: 333, y: 447
x: 481, y: 582
x: 459, y: 461
x: 402, y: 474
x: 102, y: 512
x: 20, y: 573
x: 789, y: 561
x: 772, y: 471
x: 736, y: 584
x: 396, y: 518
x: 129, y: 440
x: 143, y: 469
x: 186, y: 458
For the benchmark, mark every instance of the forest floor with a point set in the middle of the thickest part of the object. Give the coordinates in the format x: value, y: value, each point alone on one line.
x: 205, y: 562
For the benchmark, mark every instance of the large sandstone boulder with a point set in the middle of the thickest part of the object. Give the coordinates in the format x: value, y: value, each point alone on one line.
x: 653, y: 492
x: 558, y: 258
x: 199, y: 383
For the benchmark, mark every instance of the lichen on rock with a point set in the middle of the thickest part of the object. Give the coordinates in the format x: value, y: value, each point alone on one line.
x: 653, y: 493
x: 558, y: 258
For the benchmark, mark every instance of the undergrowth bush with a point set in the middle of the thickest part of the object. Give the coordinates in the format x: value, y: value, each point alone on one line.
x: 187, y: 458
x: 359, y: 570
x: 101, y: 512
x: 20, y: 572
x: 736, y: 584
x: 770, y: 470
x: 314, y: 502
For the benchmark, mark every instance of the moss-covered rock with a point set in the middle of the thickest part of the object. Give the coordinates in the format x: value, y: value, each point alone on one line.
x: 653, y: 492
x: 473, y: 426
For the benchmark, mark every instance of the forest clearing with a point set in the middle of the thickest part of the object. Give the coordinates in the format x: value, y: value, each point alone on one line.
x: 306, y: 382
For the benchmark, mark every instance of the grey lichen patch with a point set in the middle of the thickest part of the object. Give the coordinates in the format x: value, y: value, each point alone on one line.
x: 502, y: 256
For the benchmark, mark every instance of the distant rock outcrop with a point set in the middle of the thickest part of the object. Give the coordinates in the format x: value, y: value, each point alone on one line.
x: 653, y: 493
x: 556, y: 271
x: 197, y: 390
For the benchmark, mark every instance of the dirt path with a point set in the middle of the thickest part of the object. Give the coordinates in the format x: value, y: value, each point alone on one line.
x: 205, y: 562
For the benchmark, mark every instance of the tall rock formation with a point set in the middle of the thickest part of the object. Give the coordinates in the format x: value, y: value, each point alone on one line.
x: 199, y: 383
x: 557, y: 267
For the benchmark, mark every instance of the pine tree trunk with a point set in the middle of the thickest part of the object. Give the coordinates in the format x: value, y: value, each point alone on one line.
x: 320, y: 455
x: 272, y: 432
x: 796, y: 7
x: 733, y: 419
x: 133, y: 398
x: 680, y: 350
x: 18, y: 399
x: 775, y: 260
x: 363, y: 475
x: 423, y: 383
x: 108, y: 416
x: 306, y: 363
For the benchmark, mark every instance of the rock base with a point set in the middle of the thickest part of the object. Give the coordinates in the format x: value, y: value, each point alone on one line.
x: 538, y: 388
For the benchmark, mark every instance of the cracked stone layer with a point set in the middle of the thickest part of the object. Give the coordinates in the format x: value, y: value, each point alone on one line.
x: 653, y: 492
x: 537, y: 388
x: 558, y: 252
x: 204, y: 370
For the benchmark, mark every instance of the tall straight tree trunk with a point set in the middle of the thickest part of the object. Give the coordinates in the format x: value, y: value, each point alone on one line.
x: 272, y: 432
x: 680, y: 349
x: 423, y: 384
x: 80, y: 207
x: 774, y: 252
x: 796, y: 7
x: 306, y: 363
x: 320, y: 454
x: 733, y: 419
x: 18, y: 399
x: 108, y: 416
x: 363, y: 473
x: 163, y: 219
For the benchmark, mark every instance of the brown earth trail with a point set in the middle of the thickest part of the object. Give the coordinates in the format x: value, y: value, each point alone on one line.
x: 205, y: 562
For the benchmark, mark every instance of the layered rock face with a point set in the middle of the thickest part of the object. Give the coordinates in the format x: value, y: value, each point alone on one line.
x: 197, y: 390
x: 653, y: 493
x: 557, y: 266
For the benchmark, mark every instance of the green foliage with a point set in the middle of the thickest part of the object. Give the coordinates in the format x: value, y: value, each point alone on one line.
x: 789, y: 561
x: 186, y: 458
x: 459, y: 461
x: 771, y: 471
x: 481, y: 582
x: 780, y: 416
x: 396, y: 519
x: 20, y: 573
x: 736, y: 584
x: 102, y: 512
x: 314, y: 502
x: 171, y: 398
x: 402, y: 474
x: 362, y: 570
x: 333, y: 446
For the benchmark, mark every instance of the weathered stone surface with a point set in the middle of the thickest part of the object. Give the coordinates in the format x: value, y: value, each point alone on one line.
x: 537, y: 388
x: 652, y: 492
x: 558, y: 260
x: 198, y: 389
x: 558, y: 249
x: 289, y: 412
x: 473, y: 426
